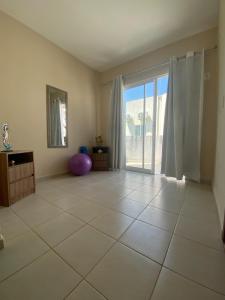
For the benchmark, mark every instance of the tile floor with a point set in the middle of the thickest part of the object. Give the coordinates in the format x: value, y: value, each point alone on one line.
x: 115, y: 236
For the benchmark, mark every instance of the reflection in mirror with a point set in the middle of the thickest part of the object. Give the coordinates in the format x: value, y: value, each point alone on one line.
x: 57, y: 118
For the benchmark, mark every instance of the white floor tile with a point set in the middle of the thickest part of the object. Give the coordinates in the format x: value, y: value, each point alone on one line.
x: 199, y: 193
x: 168, y: 200
x: 110, y: 202
x: 113, y: 224
x: 6, y: 215
x: 87, y: 210
x: 13, y: 228
x: 129, y: 207
x: 124, y: 275
x: 143, y: 197
x: 206, y: 233
x: 48, y: 278
x: 19, y: 252
x: 66, y: 201
x: 196, y: 262
x: 201, y: 210
x: 171, y: 286
x: 85, y: 292
x: 83, y: 249
x: 148, y: 240
x: 149, y: 188
x: 35, y: 216
x: 52, y: 193
x: 59, y: 228
x: 32, y: 201
x: 159, y: 218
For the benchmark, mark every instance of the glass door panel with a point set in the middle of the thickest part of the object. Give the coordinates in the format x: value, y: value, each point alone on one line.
x: 145, y: 109
x: 149, y: 125
x: 134, y: 99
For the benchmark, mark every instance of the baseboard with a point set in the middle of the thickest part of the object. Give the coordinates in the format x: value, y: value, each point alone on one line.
x: 42, y: 178
x: 1, y: 242
x: 214, y: 190
x: 223, y: 232
x: 222, y: 222
x: 206, y: 181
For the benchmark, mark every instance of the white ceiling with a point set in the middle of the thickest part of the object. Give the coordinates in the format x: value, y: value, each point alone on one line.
x: 105, y: 33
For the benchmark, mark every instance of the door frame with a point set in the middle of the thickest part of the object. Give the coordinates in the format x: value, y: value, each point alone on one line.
x: 144, y: 82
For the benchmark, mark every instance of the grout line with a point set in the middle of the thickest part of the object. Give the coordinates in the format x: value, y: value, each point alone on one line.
x: 174, y: 234
x: 116, y: 240
x: 168, y: 247
x: 51, y: 248
x: 24, y: 266
x: 85, y: 223
x: 111, y: 209
x: 79, y: 283
x: 67, y: 295
x: 114, y: 243
x: 179, y: 235
x: 54, y: 251
x: 56, y: 245
x: 193, y: 281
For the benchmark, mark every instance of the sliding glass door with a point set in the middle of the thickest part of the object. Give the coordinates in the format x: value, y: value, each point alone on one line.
x: 145, y: 107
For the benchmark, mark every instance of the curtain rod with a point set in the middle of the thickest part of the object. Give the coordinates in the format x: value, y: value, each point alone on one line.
x: 158, y: 65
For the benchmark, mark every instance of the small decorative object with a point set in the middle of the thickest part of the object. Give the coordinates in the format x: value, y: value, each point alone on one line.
x: 12, y: 163
x: 5, y: 136
x: 99, y: 140
x: 84, y: 149
x: 100, y: 149
x: 80, y: 164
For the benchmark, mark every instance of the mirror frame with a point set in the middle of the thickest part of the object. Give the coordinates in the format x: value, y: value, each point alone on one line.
x: 49, y: 88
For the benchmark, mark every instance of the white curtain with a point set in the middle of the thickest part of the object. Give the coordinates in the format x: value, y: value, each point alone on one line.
x: 183, y: 118
x: 117, y: 127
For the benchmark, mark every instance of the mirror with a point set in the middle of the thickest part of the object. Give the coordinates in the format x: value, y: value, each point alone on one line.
x: 57, y: 118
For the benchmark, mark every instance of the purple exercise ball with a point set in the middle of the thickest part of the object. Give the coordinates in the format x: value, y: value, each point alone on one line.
x: 80, y: 164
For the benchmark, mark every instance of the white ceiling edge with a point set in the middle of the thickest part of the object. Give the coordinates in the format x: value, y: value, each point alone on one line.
x: 121, y: 61
x: 95, y: 45
x: 160, y: 46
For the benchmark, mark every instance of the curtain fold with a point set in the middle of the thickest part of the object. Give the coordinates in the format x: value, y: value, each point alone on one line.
x: 117, y: 127
x: 183, y: 118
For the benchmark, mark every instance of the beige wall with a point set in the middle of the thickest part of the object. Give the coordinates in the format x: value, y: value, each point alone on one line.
x: 27, y: 63
x: 219, y: 182
x: 205, y: 40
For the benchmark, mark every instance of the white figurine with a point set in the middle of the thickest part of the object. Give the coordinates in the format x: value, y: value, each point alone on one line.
x: 5, y: 135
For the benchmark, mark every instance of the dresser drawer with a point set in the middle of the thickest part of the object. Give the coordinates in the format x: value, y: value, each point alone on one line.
x: 100, y: 156
x: 21, y: 188
x: 20, y: 171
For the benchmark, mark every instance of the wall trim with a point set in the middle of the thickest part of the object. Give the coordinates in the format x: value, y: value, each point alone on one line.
x: 45, y: 177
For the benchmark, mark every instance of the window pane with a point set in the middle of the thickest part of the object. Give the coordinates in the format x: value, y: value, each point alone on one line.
x: 134, y: 98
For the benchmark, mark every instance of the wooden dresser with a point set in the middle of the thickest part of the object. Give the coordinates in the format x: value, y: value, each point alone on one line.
x: 100, y: 158
x: 17, y: 177
x: 100, y: 161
